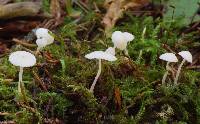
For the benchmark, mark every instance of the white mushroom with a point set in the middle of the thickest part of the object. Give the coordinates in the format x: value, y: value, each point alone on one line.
x: 169, y: 57
x: 187, y: 56
x: 99, y: 55
x: 121, y: 39
x: 44, y: 33
x: 22, y: 59
x: 41, y: 43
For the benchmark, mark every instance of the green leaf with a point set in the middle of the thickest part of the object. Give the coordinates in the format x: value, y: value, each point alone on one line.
x: 182, y: 10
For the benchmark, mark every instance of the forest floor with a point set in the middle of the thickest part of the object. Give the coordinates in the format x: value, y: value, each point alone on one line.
x: 129, y: 90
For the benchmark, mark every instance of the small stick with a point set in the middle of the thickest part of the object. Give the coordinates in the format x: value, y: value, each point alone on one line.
x: 4, y: 113
x: 23, y: 43
x: 193, y: 67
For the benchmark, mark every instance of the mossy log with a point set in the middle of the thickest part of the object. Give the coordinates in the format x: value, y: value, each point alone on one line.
x: 19, y: 9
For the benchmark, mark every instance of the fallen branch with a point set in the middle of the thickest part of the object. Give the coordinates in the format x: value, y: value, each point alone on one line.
x: 19, y: 9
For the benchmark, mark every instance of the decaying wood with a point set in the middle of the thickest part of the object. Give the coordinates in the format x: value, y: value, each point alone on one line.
x: 19, y: 9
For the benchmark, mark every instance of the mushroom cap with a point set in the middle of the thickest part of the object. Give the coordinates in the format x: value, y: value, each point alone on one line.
x: 128, y: 36
x: 117, y: 36
x: 110, y: 50
x: 101, y: 55
x: 41, y: 42
x: 186, y: 55
x: 120, y: 39
x: 22, y: 59
x: 44, y: 33
x: 169, y: 57
x: 41, y: 32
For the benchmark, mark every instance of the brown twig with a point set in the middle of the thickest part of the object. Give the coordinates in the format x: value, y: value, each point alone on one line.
x: 24, y: 43
x: 193, y: 67
x: 4, y: 113
x: 165, y: 46
x: 41, y: 83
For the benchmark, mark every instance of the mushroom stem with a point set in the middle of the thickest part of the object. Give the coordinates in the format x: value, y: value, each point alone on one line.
x: 96, y: 78
x: 20, y: 79
x: 178, y: 72
x: 166, y: 73
x: 21, y: 88
x: 37, y: 51
x: 126, y: 52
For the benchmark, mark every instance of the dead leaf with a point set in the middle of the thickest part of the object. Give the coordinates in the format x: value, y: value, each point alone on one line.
x: 115, y: 9
x: 50, y: 58
x: 118, y: 100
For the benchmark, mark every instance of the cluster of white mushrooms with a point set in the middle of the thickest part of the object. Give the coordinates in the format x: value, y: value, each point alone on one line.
x: 171, y: 57
x: 120, y: 41
x: 26, y: 59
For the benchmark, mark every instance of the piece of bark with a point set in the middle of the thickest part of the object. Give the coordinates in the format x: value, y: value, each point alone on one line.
x: 19, y: 9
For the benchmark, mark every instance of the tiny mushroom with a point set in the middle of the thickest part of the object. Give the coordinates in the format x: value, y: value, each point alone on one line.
x: 100, y: 55
x: 43, y: 38
x: 169, y: 57
x: 22, y: 59
x: 121, y: 39
x: 187, y: 56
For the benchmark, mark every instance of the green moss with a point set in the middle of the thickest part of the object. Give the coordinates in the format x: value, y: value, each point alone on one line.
x: 138, y: 77
x: 7, y: 69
